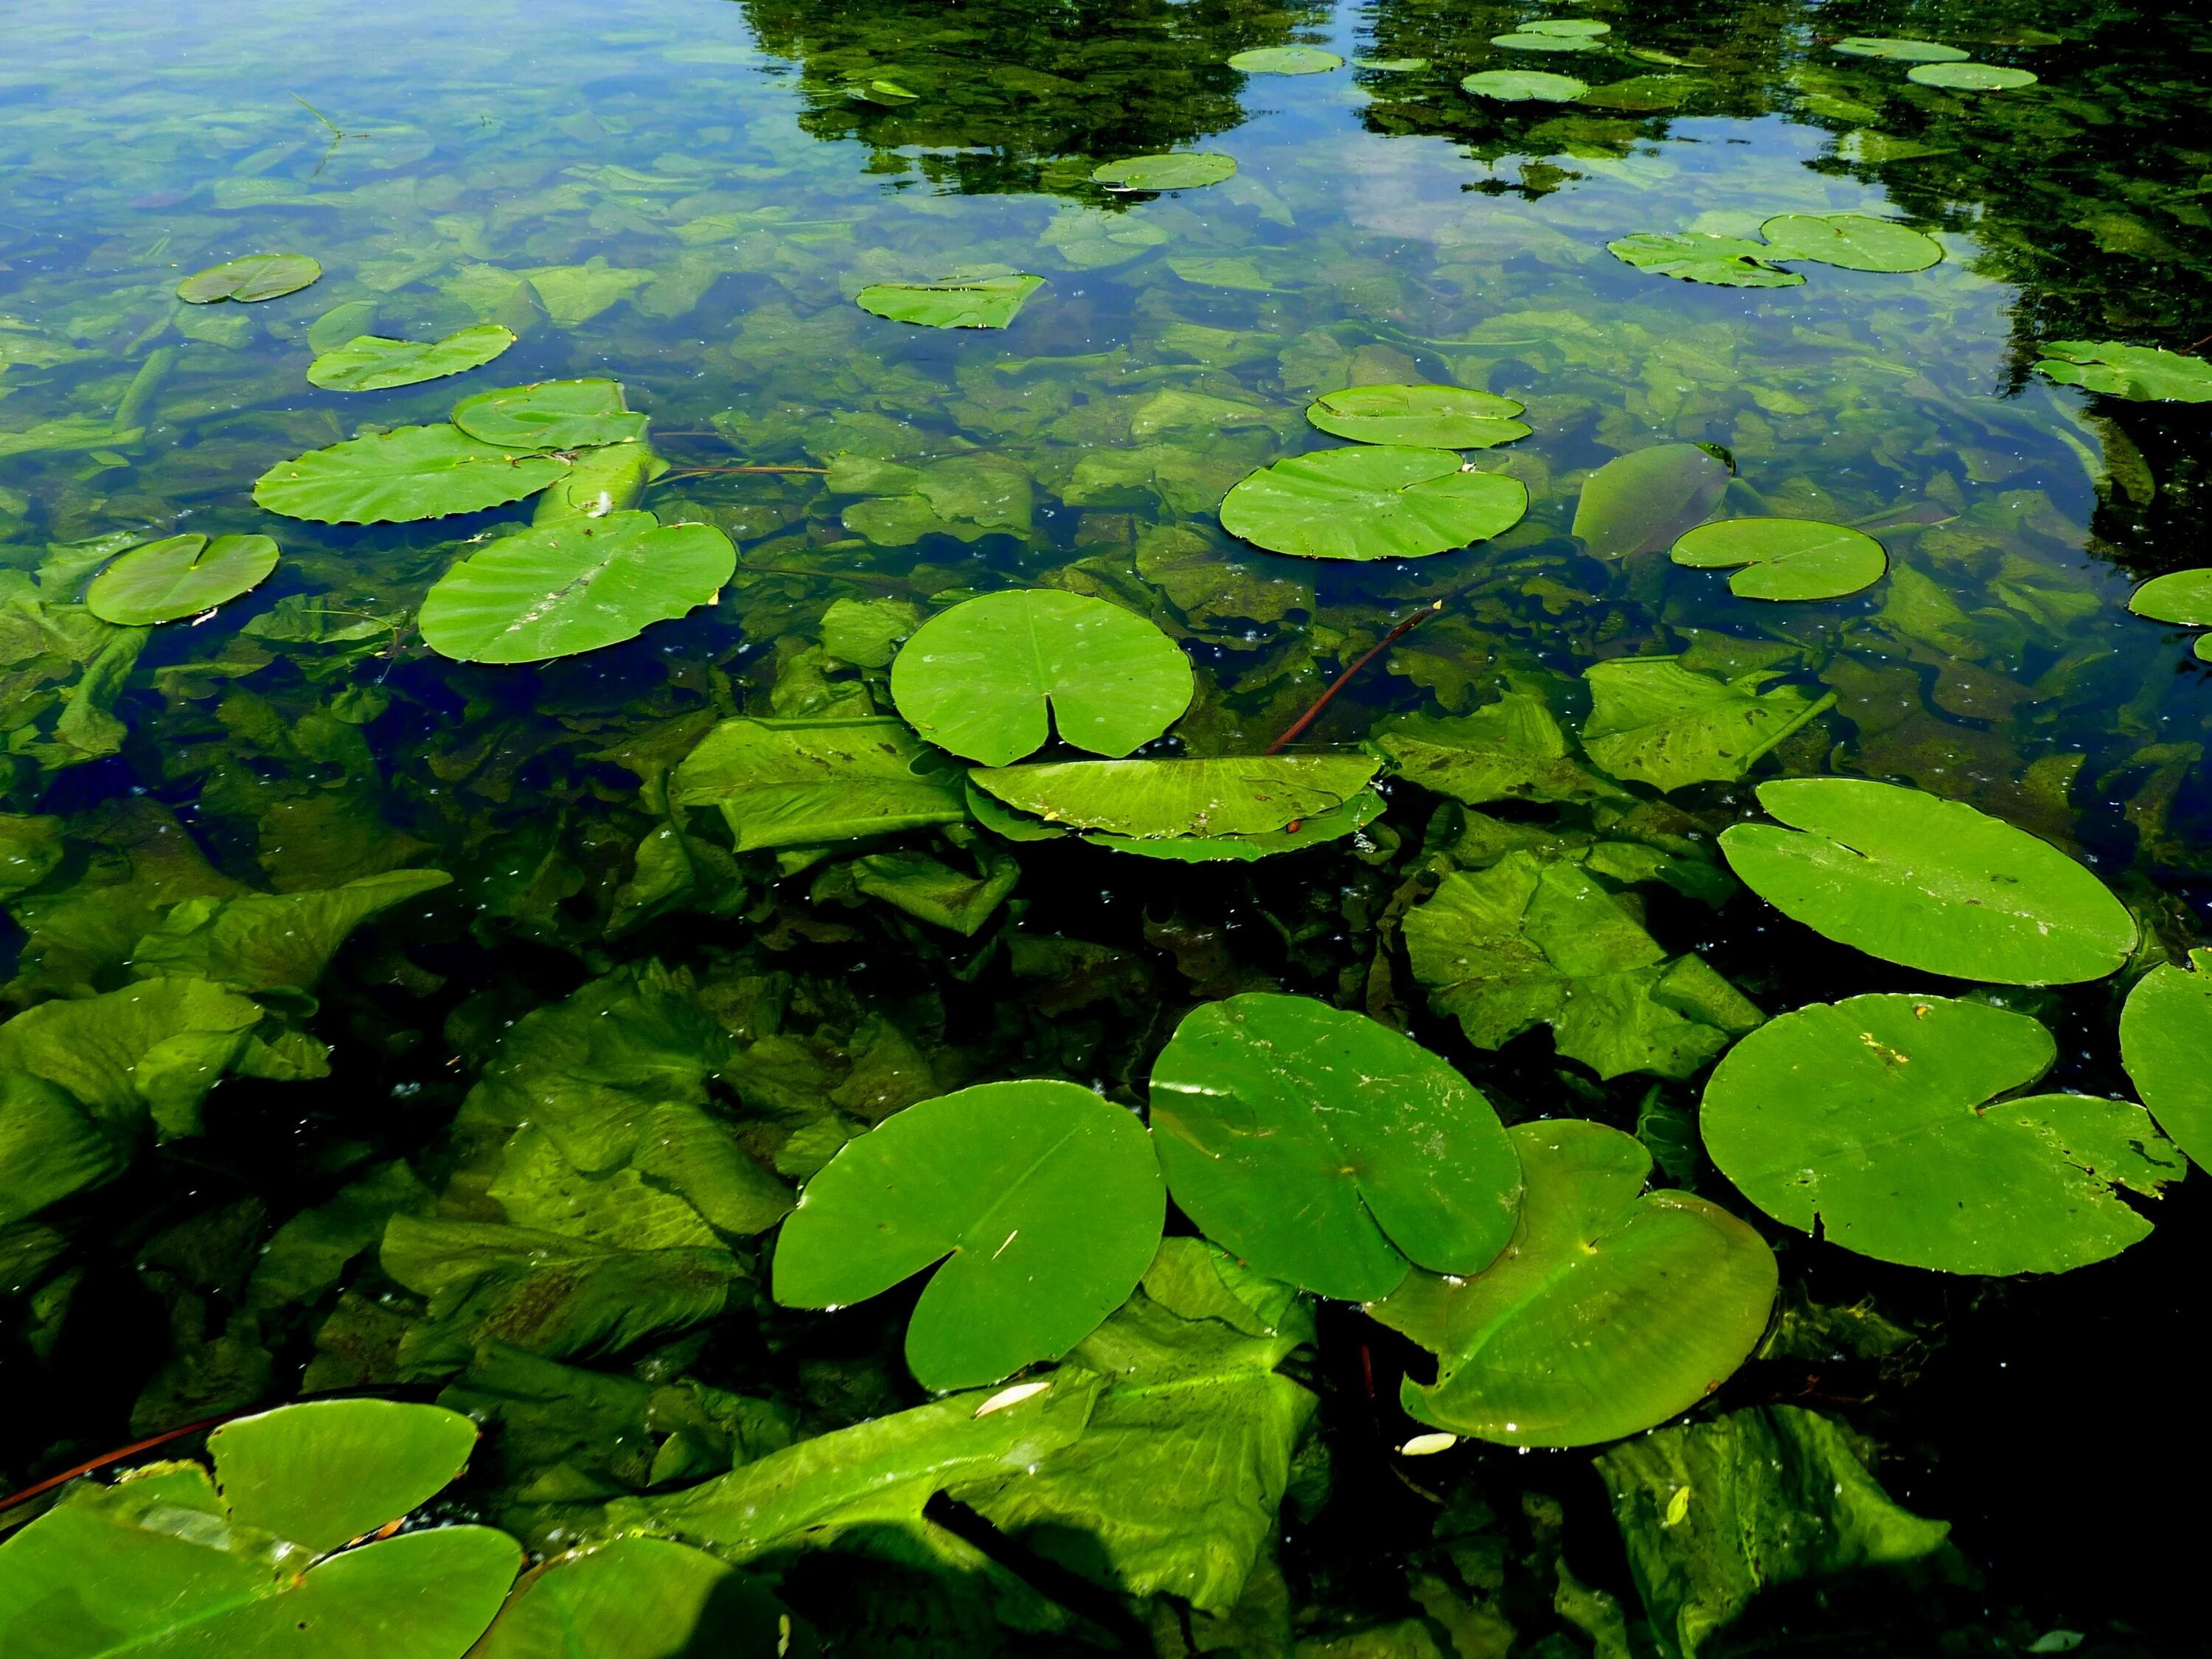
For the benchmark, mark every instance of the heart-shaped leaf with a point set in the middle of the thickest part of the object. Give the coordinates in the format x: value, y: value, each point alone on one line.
x: 978, y: 679
x: 2165, y: 1043
x: 1042, y: 1200
x: 1642, y: 502
x: 980, y: 302
x: 1525, y: 87
x: 1371, y: 502
x: 368, y: 362
x: 1786, y: 558
x: 2179, y: 596
x: 256, y: 277
x: 574, y: 585
x: 179, y: 576
x: 1879, y: 1117
x: 1612, y: 1309
x: 1179, y: 172
x: 551, y: 415
x: 1427, y: 416
x: 1326, y: 1149
x: 1928, y: 883
x: 1853, y: 241
x: 326, y: 1471
x: 393, y: 478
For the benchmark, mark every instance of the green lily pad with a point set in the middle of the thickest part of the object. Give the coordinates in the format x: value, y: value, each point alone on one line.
x: 1879, y: 1117
x: 550, y: 415
x: 2165, y: 1038
x: 178, y: 577
x: 1528, y: 39
x: 1696, y: 256
x: 1423, y: 416
x: 1251, y: 795
x: 1524, y: 87
x: 1324, y: 1149
x: 1042, y: 1198
x: 2139, y: 373
x: 1853, y: 241
x: 412, y: 472
x: 801, y: 783
x: 1286, y: 60
x: 1654, y: 721
x: 2179, y: 596
x: 1929, y: 884
x: 1372, y: 501
x: 578, y: 584
x: 326, y: 1471
x: 1645, y: 499
x: 368, y: 362
x: 1898, y: 51
x: 1612, y: 1309
x: 1786, y: 558
x: 1582, y: 27
x: 257, y: 276
x: 641, y: 1598
x: 979, y: 679
x: 1971, y: 77
x: 1180, y: 172
x: 981, y: 302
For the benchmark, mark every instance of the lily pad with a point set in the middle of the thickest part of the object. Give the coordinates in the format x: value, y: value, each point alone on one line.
x: 1286, y: 60
x: 412, y: 472
x: 1853, y: 241
x: 179, y: 576
x: 1252, y: 795
x: 578, y: 584
x: 1654, y: 721
x: 1324, y: 1149
x: 1786, y: 558
x: 1645, y: 499
x: 1524, y: 87
x: 801, y: 783
x: 1612, y: 1309
x: 326, y: 1471
x: 1929, y: 884
x: 1900, y: 51
x: 1425, y: 416
x: 2165, y: 1043
x: 1372, y: 501
x: 2139, y: 373
x: 1696, y: 256
x: 1391, y: 65
x: 550, y: 415
x: 368, y: 362
x: 1571, y: 27
x: 1334, y: 824
x: 1879, y: 1117
x: 257, y: 276
x: 1971, y: 77
x: 981, y: 302
x: 1528, y: 39
x: 2179, y: 596
x: 979, y: 679
x: 1042, y: 1198
x: 1181, y: 172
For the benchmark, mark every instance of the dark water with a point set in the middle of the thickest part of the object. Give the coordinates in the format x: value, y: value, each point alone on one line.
x: 683, y: 195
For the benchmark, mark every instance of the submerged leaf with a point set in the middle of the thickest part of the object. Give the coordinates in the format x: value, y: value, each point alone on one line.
x: 2139, y: 373
x: 1786, y: 558
x: 1525, y: 86
x: 1697, y: 256
x: 1326, y: 1149
x: 2165, y: 1043
x: 1248, y: 796
x: 1176, y: 171
x: 1044, y: 1197
x: 256, y: 277
x: 796, y: 783
x: 268, y: 942
x: 1371, y: 502
x: 1928, y: 883
x: 1642, y: 502
x: 1612, y: 1309
x: 1653, y: 720
x: 1425, y: 416
x: 368, y: 362
x: 181, y: 576
x: 980, y: 302
x: 641, y: 1598
x: 410, y: 472
x: 1286, y: 60
x: 551, y: 415
x: 1879, y: 1118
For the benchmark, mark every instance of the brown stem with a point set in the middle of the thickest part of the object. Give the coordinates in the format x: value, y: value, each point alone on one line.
x: 1341, y: 680
x: 120, y: 1452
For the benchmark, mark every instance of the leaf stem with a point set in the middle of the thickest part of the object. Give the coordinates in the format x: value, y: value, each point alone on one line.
x: 1341, y: 680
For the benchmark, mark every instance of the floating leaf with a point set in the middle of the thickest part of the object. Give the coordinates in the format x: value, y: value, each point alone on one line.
x: 2139, y: 373
x: 1644, y: 93
x: 578, y: 584
x: 1928, y: 883
x: 256, y: 277
x: 1325, y: 1150
x: 1359, y: 811
x: 1286, y: 60
x: 1042, y: 1200
x: 550, y: 415
x: 641, y: 1598
x: 1372, y: 501
x: 1645, y: 499
x: 1879, y: 1118
x: 2165, y: 1043
x: 1528, y: 39
x: 412, y: 472
x: 1653, y: 720
x: 1524, y: 87
x: 368, y: 362
x: 981, y: 302
x: 1971, y: 77
x: 1786, y: 558
x: 795, y: 783
x: 1391, y: 65
x: 1612, y: 1309
x: 1180, y: 172
x: 179, y: 576
x: 1244, y: 796
x: 1853, y: 241
x: 1582, y: 27
x: 328, y: 1471
x: 1697, y: 256
x: 2179, y: 596
x: 1900, y: 51
x: 980, y: 679
x: 1425, y: 416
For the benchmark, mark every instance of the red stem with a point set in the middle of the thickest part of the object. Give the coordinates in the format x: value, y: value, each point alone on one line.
x: 120, y: 1452
x: 1339, y: 682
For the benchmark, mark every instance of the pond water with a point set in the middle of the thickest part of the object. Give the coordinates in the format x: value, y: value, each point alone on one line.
x: 687, y: 196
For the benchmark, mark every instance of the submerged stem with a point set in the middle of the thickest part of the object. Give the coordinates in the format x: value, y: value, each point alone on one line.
x: 1338, y: 682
